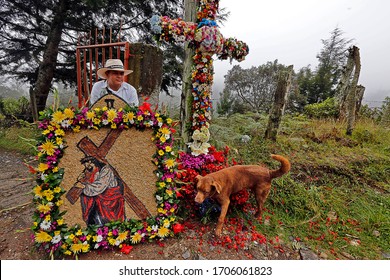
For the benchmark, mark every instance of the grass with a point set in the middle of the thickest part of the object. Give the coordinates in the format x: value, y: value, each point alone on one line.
x: 336, y: 198
x: 20, y: 138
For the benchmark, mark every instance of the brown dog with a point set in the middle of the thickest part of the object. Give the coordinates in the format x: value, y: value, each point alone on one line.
x: 221, y: 184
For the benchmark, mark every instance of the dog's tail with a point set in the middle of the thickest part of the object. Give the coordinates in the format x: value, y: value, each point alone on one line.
x: 284, y: 168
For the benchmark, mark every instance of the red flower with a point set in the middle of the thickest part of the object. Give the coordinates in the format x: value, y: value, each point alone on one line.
x: 177, y: 228
x: 126, y: 249
x: 145, y: 106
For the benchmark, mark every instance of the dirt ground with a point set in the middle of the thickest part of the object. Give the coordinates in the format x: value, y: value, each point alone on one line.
x: 16, y: 209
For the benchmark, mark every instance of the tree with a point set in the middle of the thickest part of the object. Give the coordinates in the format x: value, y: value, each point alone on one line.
x: 225, y: 103
x: 254, y: 87
x: 332, y: 58
x: 38, y: 37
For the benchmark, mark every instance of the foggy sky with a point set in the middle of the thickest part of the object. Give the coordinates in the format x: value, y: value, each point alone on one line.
x: 291, y: 31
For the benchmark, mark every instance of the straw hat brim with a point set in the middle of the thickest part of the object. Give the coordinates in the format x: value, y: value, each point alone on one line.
x: 102, y: 72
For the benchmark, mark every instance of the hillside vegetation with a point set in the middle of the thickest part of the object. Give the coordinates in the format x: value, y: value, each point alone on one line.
x: 336, y: 199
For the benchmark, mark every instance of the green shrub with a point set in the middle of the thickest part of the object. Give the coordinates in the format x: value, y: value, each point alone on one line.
x: 325, y: 109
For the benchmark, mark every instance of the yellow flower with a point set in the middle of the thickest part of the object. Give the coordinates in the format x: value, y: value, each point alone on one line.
x: 161, y: 152
x: 136, y: 238
x: 67, y: 252
x: 57, y: 189
x: 165, y: 130
x: 163, y: 139
x: 42, y: 167
x: 170, y: 163
x: 59, y: 140
x: 37, y: 191
x: 168, y: 149
x: 122, y: 236
x: 60, y: 222
x: 140, y: 118
x: 59, y: 132
x: 48, y: 218
x: 166, y: 223
x: 48, y: 194
x: 97, y: 121
x: 85, y: 248
x: 90, y: 115
x: 71, y: 237
x: 76, y: 129
x: 79, y: 232
x: 59, y: 202
x: 69, y: 113
x: 111, y: 241
x: 46, y: 131
x: 169, y: 121
x: 76, y: 248
x: 58, y: 116
x: 163, y: 232
x: 169, y: 192
x: 162, y: 211
x: 43, y: 208
x: 42, y: 237
x: 162, y: 184
x: 113, y: 125
x: 169, y: 180
x: 48, y: 148
x: 129, y: 116
x: 111, y: 115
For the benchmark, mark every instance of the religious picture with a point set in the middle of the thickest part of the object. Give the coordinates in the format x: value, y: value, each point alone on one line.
x: 101, y: 190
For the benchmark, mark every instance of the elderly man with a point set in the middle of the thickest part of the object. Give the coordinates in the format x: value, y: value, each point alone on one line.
x: 112, y: 74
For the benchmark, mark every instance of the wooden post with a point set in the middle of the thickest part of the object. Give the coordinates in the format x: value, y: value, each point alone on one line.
x: 351, y: 97
x: 359, y: 97
x: 281, y: 94
x: 190, y: 9
x: 343, y: 85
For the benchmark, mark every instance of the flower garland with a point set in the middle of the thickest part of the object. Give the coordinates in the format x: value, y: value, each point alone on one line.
x: 51, y: 232
x: 206, y: 39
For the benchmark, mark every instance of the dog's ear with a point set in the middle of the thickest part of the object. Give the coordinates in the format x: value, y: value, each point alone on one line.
x: 217, y: 187
x: 197, y: 178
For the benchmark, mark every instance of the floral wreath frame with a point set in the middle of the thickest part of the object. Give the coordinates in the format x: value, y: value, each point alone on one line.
x: 51, y: 233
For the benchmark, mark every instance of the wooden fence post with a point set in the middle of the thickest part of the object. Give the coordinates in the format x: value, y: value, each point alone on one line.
x: 277, y: 111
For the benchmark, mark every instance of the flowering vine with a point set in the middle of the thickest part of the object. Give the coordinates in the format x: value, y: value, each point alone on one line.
x: 51, y: 233
x: 206, y: 39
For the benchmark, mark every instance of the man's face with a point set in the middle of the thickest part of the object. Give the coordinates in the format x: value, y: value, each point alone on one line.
x: 89, y: 165
x: 115, y: 79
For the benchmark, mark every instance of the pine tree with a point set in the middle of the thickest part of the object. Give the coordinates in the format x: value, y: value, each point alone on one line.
x: 331, y: 59
x: 38, y: 37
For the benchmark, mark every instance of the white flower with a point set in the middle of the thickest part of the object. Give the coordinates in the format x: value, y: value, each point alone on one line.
x: 99, y: 238
x: 158, y: 197
x: 65, y: 123
x: 155, y: 227
x: 105, y: 122
x: 45, y: 225
x: 56, y: 239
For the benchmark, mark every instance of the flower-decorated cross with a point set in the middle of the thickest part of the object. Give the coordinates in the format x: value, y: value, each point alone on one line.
x: 206, y: 39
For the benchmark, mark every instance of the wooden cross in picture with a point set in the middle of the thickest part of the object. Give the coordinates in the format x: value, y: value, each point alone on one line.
x: 204, y: 36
